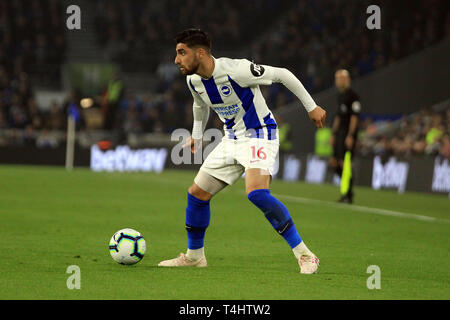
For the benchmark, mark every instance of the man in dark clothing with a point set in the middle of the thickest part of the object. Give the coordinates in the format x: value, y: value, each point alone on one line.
x: 114, y: 95
x: 345, y: 129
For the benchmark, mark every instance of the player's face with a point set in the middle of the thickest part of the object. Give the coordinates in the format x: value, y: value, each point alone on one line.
x: 186, y: 59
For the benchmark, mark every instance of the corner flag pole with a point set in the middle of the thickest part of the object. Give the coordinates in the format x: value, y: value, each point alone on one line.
x: 70, y: 145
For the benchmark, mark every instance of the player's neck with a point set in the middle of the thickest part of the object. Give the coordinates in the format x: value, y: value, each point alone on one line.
x: 206, y: 69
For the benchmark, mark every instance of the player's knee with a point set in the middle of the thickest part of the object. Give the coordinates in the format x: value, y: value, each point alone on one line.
x: 250, y: 189
x: 199, y: 193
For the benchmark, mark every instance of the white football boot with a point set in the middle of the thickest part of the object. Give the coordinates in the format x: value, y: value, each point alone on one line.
x: 183, y: 261
x: 308, y: 264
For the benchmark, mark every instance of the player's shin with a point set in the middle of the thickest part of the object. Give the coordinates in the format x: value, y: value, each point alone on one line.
x: 278, y: 216
x: 197, y: 220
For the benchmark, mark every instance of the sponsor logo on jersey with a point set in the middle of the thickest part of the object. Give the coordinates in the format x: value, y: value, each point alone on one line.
x: 227, y: 111
x: 225, y: 90
x: 256, y: 70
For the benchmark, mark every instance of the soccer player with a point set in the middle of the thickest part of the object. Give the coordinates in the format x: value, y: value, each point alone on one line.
x: 345, y: 129
x: 231, y: 88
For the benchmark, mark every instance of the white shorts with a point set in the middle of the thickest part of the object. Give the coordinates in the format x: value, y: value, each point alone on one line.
x: 231, y: 158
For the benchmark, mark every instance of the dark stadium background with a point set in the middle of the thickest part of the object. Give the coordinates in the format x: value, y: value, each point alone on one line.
x: 122, y: 59
x: 108, y: 97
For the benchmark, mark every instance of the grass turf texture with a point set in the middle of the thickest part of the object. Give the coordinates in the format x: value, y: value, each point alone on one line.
x: 51, y: 219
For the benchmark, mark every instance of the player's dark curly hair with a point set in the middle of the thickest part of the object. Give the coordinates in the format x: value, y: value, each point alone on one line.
x: 194, y: 38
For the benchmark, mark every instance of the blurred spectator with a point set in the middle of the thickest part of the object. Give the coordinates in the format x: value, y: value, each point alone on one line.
x: 148, y: 27
x: 422, y: 133
x: 114, y: 95
x: 132, y: 120
x: 55, y: 119
x: 311, y: 38
x: 444, y: 150
x: 32, y: 39
x: 46, y: 139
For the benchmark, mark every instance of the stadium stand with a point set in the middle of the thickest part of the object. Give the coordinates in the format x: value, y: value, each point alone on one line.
x: 422, y: 133
x: 139, y: 34
x: 32, y: 41
x: 312, y: 38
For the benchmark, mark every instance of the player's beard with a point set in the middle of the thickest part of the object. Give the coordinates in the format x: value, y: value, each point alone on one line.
x: 193, y: 70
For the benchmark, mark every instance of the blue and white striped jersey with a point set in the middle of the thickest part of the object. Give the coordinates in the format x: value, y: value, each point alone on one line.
x: 233, y: 93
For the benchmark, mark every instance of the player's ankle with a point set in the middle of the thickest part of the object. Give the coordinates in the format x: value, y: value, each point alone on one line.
x: 301, y: 249
x: 195, y: 254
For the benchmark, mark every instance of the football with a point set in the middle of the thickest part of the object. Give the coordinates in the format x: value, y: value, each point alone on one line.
x: 127, y: 246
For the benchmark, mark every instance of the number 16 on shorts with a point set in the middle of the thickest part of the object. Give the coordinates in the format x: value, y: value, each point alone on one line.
x: 262, y: 154
x: 258, y: 153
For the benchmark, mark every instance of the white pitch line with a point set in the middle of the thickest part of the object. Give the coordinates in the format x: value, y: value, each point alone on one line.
x: 353, y: 207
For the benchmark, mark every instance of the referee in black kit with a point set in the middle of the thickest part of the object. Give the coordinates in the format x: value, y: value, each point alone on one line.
x: 345, y: 129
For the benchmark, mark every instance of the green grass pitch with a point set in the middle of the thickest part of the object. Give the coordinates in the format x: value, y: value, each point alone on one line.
x: 51, y: 219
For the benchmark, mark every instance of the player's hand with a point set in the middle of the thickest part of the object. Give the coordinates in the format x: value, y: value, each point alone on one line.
x: 318, y: 116
x: 194, y: 144
x: 349, y: 142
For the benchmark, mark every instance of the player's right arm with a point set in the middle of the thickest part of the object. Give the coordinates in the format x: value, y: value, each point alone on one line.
x: 201, y: 115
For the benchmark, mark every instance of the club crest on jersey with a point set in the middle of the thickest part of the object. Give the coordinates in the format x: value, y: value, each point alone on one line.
x: 225, y: 90
x: 256, y: 70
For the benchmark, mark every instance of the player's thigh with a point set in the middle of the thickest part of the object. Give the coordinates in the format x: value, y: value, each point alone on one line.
x: 222, y: 165
x: 258, y: 157
x: 208, y: 183
x: 258, y: 154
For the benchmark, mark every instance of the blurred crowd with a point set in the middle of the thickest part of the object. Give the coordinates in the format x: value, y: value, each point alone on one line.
x: 311, y: 38
x: 32, y: 49
x: 421, y: 133
x: 32, y: 41
x: 308, y: 25
x: 139, y: 34
x: 321, y: 36
x: 169, y: 108
x: 22, y: 122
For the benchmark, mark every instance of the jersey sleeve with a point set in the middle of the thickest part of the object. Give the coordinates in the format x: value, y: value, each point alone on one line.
x: 200, y: 112
x: 355, y: 106
x: 249, y: 74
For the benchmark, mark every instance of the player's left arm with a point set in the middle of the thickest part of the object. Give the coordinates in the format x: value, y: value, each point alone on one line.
x: 290, y: 81
x: 252, y: 74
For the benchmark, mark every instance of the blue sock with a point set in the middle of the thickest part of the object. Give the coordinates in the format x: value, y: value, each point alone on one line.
x: 277, y: 214
x: 197, y: 220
